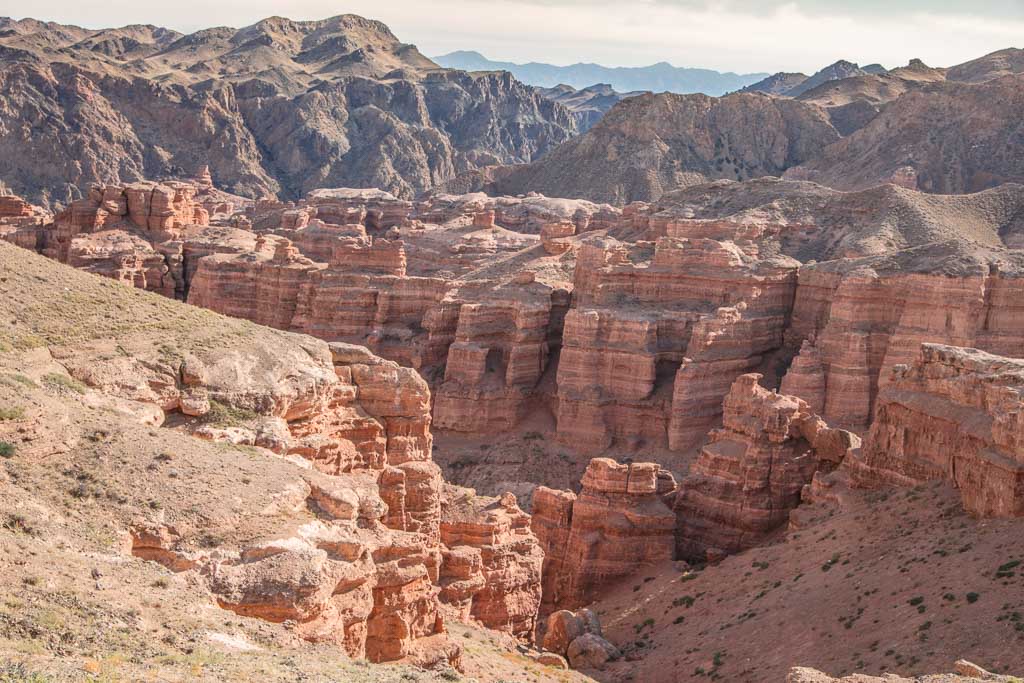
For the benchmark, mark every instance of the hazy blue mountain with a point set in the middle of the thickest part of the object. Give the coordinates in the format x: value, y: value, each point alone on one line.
x: 656, y: 77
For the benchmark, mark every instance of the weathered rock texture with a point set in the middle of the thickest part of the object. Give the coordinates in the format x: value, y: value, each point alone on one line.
x: 577, y: 637
x: 510, y: 559
x: 358, y: 559
x: 656, y: 332
x: 629, y: 326
x: 650, y: 144
x: 616, y: 524
x: 955, y: 414
x: 750, y: 473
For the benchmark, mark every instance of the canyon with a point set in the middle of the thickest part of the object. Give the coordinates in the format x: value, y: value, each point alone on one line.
x: 625, y: 327
x: 320, y: 360
x: 749, y: 355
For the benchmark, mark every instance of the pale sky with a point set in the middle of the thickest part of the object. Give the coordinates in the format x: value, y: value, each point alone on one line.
x: 732, y: 35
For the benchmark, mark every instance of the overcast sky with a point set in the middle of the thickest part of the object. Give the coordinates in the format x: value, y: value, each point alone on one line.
x: 736, y: 35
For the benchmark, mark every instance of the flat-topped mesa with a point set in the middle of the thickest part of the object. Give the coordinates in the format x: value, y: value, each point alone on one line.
x: 12, y: 206
x: 509, y: 556
x: 528, y: 214
x: 750, y: 473
x: 617, y: 524
x: 379, y: 210
x: 868, y: 315
x: 659, y: 332
x: 955, y: 414
x: 146, y: 234
x: 349, y: 247
x: 125, y: 257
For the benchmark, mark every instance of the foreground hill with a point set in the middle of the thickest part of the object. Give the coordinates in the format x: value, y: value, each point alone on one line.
x: 279, y: 107
x: 134, y: 549
x: 186, y: 496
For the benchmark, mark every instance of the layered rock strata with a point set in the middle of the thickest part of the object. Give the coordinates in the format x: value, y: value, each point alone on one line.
x: 658, y: 332
x: 616, y: 524
x: 750, y: 473
x: 955, y: 414
x: 869, y: 315
x: 498, y: 532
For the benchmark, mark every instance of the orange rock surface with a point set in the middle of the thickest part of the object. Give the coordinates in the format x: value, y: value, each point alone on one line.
x: 955, y: 414
x: 617, y: 524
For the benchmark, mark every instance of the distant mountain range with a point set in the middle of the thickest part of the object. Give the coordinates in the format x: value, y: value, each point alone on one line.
x: 658, y: 77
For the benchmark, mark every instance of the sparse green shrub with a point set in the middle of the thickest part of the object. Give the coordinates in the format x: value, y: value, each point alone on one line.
x: 15, y: 413
x: 6, y: 450
x: 55, y: 380
x: 223, y: 415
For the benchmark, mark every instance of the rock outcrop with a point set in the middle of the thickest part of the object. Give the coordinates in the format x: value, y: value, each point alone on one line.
x: 955, y: 414
x: 658, y: 333
x: 750, y: 473
x: 360, y: 555
x: 616, y: 524
x: 510, y: 559
x: 675, y: 140
x: 577, y: 637
x: 628, y: 325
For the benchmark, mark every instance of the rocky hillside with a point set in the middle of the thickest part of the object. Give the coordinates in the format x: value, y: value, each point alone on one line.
x: 651, y: 144
x: 280, y: 107
x: 947, y: 137
x: 913, y: 126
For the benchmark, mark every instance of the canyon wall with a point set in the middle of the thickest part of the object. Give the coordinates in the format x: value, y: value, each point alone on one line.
x: 617, y: 524
x: 751, y: 472
x: 628, y: 325
x: 957, y: 415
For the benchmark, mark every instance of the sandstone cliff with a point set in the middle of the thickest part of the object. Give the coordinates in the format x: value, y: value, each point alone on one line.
x: 617, y: 524
x: 750, y: 474
x: 954, y: 414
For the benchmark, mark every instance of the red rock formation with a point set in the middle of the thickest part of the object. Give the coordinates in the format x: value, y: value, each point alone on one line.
x: 370, y: 573
x: 617, y: 524
x: 867, y: 317
x: 651, y: 334
x: 750, y: 473
x: 956, y: 414
x: 510, y: 558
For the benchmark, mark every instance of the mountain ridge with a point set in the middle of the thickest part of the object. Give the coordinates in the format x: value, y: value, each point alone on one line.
x: 660, y: 76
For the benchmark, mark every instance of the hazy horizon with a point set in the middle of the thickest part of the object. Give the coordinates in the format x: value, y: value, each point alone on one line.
x: 743, y: 36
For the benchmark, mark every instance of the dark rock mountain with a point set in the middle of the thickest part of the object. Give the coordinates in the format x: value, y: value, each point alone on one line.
x: 280, y: 107
x: 588, y: 104
x: 660, y: 77
x: 945, y: 137
x: 777, y: 84
x: 832, y: 72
